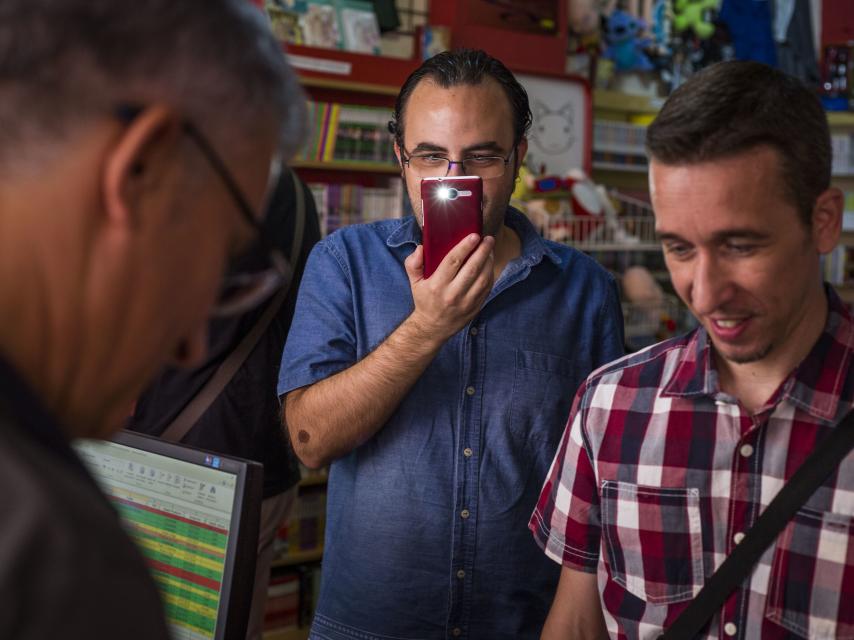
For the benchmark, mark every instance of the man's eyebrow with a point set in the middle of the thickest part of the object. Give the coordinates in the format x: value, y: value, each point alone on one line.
x: 485, y: 146
x: 489, y: 145
x: 429, y: 146
x: 720, y: 236
x: 666, y: 236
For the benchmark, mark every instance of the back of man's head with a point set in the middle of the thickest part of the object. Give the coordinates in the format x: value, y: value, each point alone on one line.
x: 63, y: 62
x: 136, y: 141
x: 732, y: 107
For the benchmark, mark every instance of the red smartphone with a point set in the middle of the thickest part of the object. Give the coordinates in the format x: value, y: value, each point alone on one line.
x: 453, y: 208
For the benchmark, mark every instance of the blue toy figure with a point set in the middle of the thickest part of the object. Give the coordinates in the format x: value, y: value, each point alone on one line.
x: 625, y: 47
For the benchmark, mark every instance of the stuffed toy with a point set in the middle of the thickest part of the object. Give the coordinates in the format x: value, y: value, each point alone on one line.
x: 693, y: 14
x: 570, y: 208
x: 625, y: 47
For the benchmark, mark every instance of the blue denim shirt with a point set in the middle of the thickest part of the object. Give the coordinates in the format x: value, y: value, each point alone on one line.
x: 426, y: 531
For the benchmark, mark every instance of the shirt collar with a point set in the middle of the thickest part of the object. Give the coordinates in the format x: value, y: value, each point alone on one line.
x: 533, y: 246
x: 815, y: 386
x: 28, y: 414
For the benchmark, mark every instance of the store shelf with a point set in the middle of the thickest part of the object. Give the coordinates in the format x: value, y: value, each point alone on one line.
x: 372, y: 167
x: 617, y: 166
x: 840, y: 118
x: 346, y: 85
x: 604, y: 100
x: 300, y: 557
x: 287, y: 634
x: 345, y: 66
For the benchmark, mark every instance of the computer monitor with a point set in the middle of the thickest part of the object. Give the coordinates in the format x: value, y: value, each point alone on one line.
x: 195, y: 516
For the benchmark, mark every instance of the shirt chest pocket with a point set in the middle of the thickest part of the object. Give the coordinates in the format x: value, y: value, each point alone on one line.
x: 812, y: 576
x: 652, y: 539
x: 543, y: 388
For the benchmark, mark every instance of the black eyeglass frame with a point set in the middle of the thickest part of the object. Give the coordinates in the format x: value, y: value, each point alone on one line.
x: 406, y: 157
x: 270, y: 280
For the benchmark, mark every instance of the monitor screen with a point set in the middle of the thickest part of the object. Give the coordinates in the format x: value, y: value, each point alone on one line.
x: 193, y: 515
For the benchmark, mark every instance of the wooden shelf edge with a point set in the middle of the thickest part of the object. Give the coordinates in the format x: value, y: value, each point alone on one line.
x: 371, y: 167
x: 840, y: 118
x: 349, y: 85
x: 607, y: 100
x: 616, y: 166
x: 301, y: 557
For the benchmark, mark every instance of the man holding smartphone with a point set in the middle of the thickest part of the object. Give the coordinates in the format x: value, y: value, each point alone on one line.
x: 440, y: 401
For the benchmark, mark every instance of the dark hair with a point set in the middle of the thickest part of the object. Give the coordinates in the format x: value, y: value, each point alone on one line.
x: 66, y: 61
x: 465, y: 67
x: 733, y: 107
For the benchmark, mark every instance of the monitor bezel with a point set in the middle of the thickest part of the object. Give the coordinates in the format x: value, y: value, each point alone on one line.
x: 238, y: 579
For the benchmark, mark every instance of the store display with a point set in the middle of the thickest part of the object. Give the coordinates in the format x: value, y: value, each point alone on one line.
x: 319, y: 25
x: 359, y: 27
x: 626, y: 44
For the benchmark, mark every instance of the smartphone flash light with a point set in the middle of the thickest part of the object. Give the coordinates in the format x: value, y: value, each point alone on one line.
x: 449, y: 193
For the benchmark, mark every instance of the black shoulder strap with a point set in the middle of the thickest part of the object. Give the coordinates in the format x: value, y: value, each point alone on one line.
x: 739, y: 565
x: 194, y: 409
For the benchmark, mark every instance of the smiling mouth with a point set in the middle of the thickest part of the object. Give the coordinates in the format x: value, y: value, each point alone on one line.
x: 728, y: 324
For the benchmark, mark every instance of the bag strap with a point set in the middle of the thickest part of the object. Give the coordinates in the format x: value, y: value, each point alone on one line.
x: 195, y: 408
x: 739, y: 564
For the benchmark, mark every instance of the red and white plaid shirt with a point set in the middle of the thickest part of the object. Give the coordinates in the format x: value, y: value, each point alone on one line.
x: 660, y: 474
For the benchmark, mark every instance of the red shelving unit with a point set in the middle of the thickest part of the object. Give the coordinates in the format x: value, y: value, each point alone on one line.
x: 520, y: 50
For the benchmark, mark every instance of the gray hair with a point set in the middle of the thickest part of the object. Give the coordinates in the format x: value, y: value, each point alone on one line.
x: 63, y: 62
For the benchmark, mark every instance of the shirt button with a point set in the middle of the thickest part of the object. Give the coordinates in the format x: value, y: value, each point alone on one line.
x: 738, y: 537
x: 461, y: 574
x: 464, y: 514
x: 467, y: 452
x: 470, y: 391
x: 473, y: 331
x: 730, y: 629
x: 457, y: 632
x: 746, y: 450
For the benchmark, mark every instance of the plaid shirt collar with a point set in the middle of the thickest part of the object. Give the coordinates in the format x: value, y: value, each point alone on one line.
x: 815, y: 385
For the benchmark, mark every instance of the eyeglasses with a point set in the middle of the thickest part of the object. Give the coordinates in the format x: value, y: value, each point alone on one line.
x: 246, y: 283
x: 431, y: 165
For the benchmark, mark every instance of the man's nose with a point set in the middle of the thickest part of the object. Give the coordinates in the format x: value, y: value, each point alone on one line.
x: 456, y: 169
x: 710, y: 285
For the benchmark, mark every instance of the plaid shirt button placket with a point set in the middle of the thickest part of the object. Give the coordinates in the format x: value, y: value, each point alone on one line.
x: 659, y: 475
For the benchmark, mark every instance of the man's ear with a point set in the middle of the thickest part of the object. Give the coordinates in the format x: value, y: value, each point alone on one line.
x: 827, y: 219
x: 521, y: 152
x: 397, y: 154
x: 138, y: 160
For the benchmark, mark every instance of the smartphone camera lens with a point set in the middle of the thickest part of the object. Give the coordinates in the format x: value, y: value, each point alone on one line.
x: 452, y: 194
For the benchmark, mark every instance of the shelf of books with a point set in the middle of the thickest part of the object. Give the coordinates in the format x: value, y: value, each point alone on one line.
x: 349, y: 164
x: 295, y: 573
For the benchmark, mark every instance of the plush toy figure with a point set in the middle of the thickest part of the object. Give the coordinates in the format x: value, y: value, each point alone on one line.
x: 692, y: 14
x: 625, y: 47
x: 570, y: 208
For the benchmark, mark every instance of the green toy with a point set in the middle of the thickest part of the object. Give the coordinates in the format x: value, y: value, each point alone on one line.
x: 691, y: 14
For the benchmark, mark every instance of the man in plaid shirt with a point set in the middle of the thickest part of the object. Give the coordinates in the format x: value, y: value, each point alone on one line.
x: 671, y: 454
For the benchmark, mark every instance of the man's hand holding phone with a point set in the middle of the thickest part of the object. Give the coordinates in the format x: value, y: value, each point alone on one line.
x: 453, y: 295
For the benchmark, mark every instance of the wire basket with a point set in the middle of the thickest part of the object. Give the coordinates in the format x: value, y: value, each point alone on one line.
x: 633, y: 229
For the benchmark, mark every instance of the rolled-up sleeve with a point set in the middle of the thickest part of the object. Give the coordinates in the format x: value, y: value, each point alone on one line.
x: 566, y: 522
x: 321, y: 340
